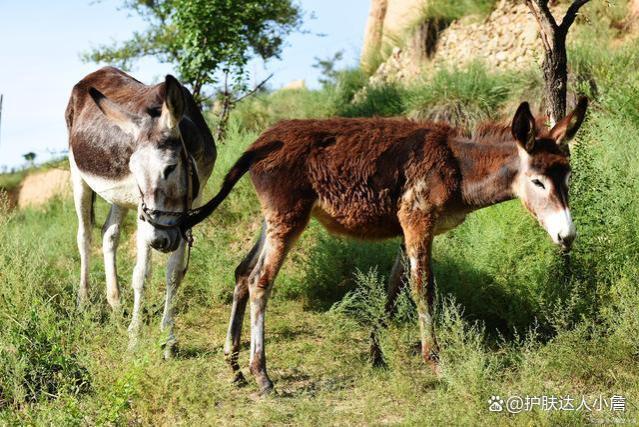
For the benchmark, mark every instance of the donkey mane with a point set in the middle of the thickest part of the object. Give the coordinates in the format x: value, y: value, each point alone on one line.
x: 487, y: 132
x: 498, y: 131
x: 492, y: 132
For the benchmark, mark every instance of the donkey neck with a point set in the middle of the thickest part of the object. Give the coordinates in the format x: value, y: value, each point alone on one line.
x: 487, y: 171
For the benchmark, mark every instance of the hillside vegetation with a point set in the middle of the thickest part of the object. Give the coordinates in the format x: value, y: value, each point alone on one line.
x: 514, y: 316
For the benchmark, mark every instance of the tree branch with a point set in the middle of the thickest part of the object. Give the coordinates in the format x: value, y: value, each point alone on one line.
x: 571, y: 14
x: 255, y: 89
x: 547, y: 24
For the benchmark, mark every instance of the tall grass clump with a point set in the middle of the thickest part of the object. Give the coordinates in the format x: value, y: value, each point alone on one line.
x: 385, y: 100
x: 38, y: 358
x: 256, y: 113
x: 449, y: 11
x: 462, y: 97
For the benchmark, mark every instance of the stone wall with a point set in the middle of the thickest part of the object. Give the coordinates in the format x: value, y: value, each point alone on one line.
x: 506, y: 39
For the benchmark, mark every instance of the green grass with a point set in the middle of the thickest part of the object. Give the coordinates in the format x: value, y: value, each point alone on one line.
x: 456, y: 9
x: 462, y: 97
x: 514, y: 317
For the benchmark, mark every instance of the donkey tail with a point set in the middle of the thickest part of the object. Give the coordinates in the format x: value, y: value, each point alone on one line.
x: 241, y: 166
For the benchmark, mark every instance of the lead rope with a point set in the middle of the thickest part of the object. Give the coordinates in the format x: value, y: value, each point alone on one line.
x: 187, y: 235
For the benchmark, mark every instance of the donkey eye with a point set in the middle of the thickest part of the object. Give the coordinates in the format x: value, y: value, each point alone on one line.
x: 168, y: 170
x: 538, y: 183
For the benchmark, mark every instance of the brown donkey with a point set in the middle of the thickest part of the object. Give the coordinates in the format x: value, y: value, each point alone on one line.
x: 378, y: 178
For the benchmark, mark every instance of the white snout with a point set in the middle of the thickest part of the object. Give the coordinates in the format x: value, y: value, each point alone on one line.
x: 560, y: 227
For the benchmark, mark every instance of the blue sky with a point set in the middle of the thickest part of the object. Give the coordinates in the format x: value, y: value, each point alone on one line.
x: 40, y: 43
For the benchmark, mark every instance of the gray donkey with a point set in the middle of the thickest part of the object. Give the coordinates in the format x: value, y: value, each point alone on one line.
x: 139, y: 147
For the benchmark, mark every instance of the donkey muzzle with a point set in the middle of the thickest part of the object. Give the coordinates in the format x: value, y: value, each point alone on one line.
x: 166, y: 240
x: 566, y: 240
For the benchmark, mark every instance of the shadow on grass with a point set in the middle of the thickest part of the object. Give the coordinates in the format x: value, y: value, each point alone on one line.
x: 331, y: 265
x: 185, y: 352
x: 505, y: 310
x: 560, y: 297
x: 294, y: 383
x: 502, y: 309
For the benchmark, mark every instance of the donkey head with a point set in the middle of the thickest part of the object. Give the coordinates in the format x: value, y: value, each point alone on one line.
x: 158, y: 163
x: 544, y: 172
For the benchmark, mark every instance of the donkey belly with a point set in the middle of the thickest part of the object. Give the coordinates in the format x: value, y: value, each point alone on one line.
x: 357, y: 224
x: 122, y: 192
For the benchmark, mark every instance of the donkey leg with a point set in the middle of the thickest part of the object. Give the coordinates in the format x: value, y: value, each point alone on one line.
x: 140, y: 272
x: 174, y: 274
x: 240, y: 298
x: 110, y: 241
x: 395, y: 285
x: 82, y: 197
x: 396, y: 281
x: 419, y: 239
x: 279, y: 239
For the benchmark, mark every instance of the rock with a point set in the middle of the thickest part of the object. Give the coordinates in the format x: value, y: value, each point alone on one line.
x: 507, y: 39
x: 529, y: 33
x: 387, y: 20
x: 39, y: 188
x: 374, y: 31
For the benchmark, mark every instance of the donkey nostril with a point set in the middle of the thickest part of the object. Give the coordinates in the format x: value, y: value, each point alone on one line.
x: 160, y: 243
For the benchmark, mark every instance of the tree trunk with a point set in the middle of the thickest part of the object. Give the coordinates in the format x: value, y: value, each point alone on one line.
x: 555, y: 65
x: 555, y: 69
x: 373, y: 34
x: 197, y: 93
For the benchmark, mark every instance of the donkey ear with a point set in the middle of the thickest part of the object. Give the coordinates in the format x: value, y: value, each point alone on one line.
x: 523, y: 127
x: 567, y: 127
x: 125, y: 120
x: 174, y: 102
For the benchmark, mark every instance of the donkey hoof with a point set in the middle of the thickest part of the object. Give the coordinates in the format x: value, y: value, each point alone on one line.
x: 133, y: 344
x: 82, y: 300
x: 170, y: 350
x: 432, y: 360
x: 266, y: 388
x: 377, y: 357
x: 239, y: 380
x: 114, y: 303
x: 416, y: 349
